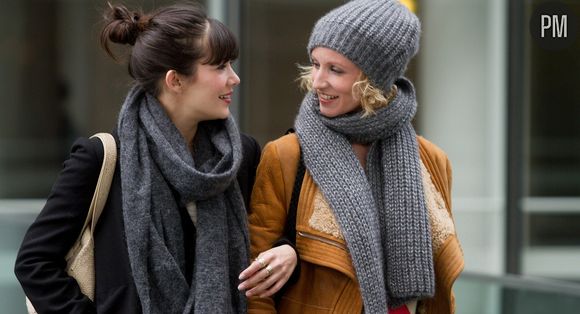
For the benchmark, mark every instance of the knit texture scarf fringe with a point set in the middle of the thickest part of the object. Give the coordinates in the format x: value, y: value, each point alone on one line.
x: 381, y: 209
x: 159, y: 176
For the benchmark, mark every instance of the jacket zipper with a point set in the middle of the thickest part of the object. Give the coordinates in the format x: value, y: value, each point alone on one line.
x: 321, y: 239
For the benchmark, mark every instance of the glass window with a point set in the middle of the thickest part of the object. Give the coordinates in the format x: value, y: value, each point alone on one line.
x: 274, y: 35
x: 549, y: 198
x: 56, y: 85
x: 554, y: 120
x: 462, y: 102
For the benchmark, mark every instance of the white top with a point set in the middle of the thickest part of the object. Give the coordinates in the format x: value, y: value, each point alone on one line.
x: 192, y: 211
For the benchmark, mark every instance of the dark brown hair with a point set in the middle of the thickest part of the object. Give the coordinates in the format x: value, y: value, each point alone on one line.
x: 170, y: 38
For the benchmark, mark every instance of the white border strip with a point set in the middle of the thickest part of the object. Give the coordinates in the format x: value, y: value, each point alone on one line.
x: 21, y: 206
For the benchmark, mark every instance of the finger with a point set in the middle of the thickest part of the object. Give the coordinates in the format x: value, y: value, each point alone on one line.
x: 263, y: 285
x: 258, y: 263
x: 267, y: 280
x: 285, y: 274
x: 273, y: 289
x: 249, y: 272
x: 263, y: 262
x: 251, y: 282
x: 256, y: 278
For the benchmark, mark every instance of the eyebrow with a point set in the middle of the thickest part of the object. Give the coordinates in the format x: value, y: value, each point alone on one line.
x: 331, y: 62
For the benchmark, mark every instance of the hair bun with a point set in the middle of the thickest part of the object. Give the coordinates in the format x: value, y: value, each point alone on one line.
x: 124, y: 26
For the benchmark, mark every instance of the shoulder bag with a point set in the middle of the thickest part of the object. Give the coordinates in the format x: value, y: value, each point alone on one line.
x: 80, y: 259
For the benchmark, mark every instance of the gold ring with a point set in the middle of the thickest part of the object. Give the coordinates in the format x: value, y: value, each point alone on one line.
x: 261, y: 262
x: 269, y: 270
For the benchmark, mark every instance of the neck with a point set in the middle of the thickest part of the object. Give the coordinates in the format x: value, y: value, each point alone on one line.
x: 187, y: 127
x: 361, y: 151
x: 186, y: 124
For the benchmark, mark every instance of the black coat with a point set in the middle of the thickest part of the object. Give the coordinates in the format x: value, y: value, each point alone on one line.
x: 40, y: 264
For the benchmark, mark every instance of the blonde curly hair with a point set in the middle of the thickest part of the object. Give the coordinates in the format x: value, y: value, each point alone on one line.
x: 371, y: 97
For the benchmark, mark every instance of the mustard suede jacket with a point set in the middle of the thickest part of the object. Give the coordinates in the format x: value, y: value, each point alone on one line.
x: 327, y: 282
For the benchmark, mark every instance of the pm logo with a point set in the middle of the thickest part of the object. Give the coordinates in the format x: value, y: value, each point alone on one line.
x: 558, y: 25
x: 553, y: 26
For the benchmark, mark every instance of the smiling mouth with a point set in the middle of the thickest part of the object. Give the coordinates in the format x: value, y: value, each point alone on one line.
x: 327, y: 97
x: 227, y: 96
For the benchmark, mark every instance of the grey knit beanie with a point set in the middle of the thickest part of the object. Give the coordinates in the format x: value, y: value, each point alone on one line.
x: 379, y: 36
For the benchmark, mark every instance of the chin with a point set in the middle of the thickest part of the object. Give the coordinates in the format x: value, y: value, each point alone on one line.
x: 329, y: 113
x: 224, y: 115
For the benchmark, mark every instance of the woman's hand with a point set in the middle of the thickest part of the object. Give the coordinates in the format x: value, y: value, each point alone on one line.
x: 268, y: 272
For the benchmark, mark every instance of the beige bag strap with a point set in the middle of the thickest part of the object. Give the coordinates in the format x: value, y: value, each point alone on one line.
x: 104, y: 182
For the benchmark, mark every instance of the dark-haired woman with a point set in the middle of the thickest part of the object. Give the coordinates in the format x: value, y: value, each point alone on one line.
x: 173, y: 236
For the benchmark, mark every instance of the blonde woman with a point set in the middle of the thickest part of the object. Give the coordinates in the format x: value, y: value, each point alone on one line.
x: 374, y: 230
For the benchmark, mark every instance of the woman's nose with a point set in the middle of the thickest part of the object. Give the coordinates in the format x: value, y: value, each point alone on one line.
x: 318, y: 79
x: 234, y: 78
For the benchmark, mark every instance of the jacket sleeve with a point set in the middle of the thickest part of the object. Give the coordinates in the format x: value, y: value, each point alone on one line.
x: 247, y: 173
x: 40, y: 263
x: 267, y: 220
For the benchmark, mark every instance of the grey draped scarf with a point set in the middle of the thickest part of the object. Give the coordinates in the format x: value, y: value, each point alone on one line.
x: 159, y: 176
x: 381, y: 209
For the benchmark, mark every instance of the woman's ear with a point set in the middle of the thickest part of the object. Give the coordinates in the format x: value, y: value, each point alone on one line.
x: 173, y: 81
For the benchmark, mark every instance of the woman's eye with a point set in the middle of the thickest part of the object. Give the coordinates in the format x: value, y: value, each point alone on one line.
x: 222, y: 66
x: 316, y: 65
x: 336, y: 70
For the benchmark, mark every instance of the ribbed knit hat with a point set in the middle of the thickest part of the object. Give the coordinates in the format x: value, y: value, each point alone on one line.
x: 379, y: 36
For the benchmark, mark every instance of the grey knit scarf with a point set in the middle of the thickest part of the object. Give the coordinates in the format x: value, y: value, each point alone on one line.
x: 159, y: 175
x: 381, y: 209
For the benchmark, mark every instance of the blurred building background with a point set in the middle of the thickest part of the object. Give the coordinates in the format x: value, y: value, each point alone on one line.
x: 506, y: 111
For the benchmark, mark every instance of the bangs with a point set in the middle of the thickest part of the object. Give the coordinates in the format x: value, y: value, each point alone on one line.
x: 221, y: 45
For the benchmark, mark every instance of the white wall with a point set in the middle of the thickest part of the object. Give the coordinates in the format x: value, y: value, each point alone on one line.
x: 462, y: 104
x: 462, y: 79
